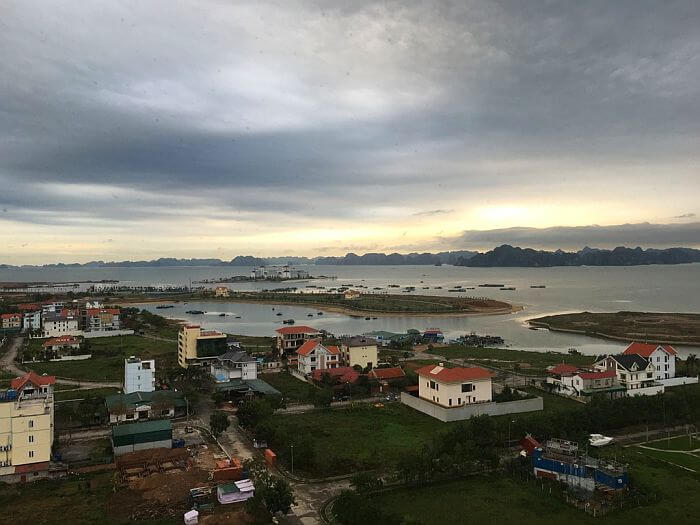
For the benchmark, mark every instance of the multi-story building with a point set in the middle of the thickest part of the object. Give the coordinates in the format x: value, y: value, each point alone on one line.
x: 12, y: 321
x: 26, y: 427
x: 100, y: 319
x: 314, y: 356
x: 359, y: 351
x: 633, y: 371
x: 234, y: 364
x: 662, y: 357
x: 222, y: 291
x: 278, y: 273
x: 290, y: 338
x: 60, y: 323
x: 573, y: 381
x: 31, y: 320
x: 199, y: 347
x: 139, y: 376
x: 52, y: 306
x: 454, y: 387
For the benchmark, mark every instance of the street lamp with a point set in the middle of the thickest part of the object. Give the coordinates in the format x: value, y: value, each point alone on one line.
x: 509, y: 423
x: 292, y: 447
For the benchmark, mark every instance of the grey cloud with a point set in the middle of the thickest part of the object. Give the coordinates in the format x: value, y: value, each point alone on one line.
x: 431, y: 213
x: 576, y: 237
x: 685, y: 216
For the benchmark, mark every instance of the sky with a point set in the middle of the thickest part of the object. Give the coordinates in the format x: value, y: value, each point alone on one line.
x: 132, y: 130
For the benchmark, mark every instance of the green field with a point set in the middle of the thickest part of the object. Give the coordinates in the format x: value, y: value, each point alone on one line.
x: 347, y: 440
x: 518, y: 360
x: 676, y: 443
x: 63, y: 395
x: 552, y: 401
x: 503, y: 500
x: 108, y: 354
x: 291, y: 387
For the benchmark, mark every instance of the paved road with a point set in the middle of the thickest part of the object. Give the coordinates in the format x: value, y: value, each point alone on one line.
x: 7, y: 362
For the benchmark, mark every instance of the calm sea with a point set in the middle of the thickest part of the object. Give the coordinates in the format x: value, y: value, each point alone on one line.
x: 670, y: 288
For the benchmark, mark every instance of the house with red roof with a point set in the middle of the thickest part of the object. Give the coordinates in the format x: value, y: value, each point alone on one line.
x: 341, y: 375
x: 62, y: 343
x: 290, y: 338
x: 11, y: 321
x: 313, y: 356
x: 383, y: 378
x: 572, y: 380
x: 454, y: 387
x: 663, y: 357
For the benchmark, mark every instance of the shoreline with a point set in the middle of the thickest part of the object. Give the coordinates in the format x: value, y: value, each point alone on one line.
x: 513, y: 308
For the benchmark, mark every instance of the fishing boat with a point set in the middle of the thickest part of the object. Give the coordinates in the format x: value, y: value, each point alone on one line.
x: 222, y: 314
x: 508, y: 288
x: 288, y: 321
x: 279, y: 313
x: 537, y: 286
x: 194, y: 312
x: 599, y: 440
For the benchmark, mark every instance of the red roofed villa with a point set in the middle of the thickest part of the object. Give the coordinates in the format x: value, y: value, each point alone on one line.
x: 454, y: 387
x: 290, y: 338
x: 312, y: 356
x: 663, y: 357
x: 343, y: 374
x: 64, y: 342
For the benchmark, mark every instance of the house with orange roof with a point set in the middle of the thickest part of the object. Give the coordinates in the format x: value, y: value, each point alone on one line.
x: 663, y: 357
x: 313, y: 355
x: 26, y: 427
x: 290, y: 338
x: 454, y: 387
x: 11, y: 321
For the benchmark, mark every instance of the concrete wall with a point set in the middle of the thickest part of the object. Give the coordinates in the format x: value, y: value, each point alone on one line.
x: 125, y: 449
x: 649, y: 391
x: 106, y: 333
x: 677, y: 381
x: 467, y: 411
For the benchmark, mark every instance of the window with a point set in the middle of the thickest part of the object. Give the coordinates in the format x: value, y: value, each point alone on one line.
x: 467, y: 387
x: 450, y: 401
x: 650, y: 375
x: 31, y: 453
x: 31, y: 439
x: 30, y: 424
x: 433, y: 385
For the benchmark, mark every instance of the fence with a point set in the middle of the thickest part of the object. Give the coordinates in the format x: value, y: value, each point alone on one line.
x: 466, y: 411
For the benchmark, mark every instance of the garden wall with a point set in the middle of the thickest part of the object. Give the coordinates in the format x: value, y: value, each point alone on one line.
x: 467, y: 411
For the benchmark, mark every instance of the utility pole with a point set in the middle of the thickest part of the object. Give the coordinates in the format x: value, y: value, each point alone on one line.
x: 292, y: 447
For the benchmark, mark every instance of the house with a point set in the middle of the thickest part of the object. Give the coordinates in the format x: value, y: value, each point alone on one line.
x: 290, y: 338
x: 386, y: 377
x: 633, y: 372
x: 234, y: 364
x: 60, y: 323
x: 454, y: 387
x: 663, y: 357
x: 12, y: 321
x: 137, y: 406
x: 131, y: 437
x: 433, y: 335
x: 199, y: 347
x: 63, y: 343
x: 222, y: 291
x: 312, y: 356
x: 100, y: 319
x: 359, y: 351
x: 574, y: 381
x: 341, y: 376
x: 384, y: 338
x: 139, y: 375
x: 31, y: 320
x: 26, y: 427
x: 352, y: 295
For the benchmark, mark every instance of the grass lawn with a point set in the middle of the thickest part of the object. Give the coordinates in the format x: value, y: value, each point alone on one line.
x: 676, y: 443
x: 502, y: 500
x: 552, y: 402
x: 524, y: 361
x: 107, y: 362
x: 63, y: 395
x: 254, y: 343
x: 678, y: 458
x: 291, y: 387
x: 357, y: 438
x: 66, y: 501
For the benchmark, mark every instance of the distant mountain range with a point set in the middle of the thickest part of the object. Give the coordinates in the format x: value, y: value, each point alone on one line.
x: 503, y: 256
x: 510, y: 256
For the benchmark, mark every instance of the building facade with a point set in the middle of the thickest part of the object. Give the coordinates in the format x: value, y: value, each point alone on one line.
x: 56, y: 324
x: 290, y: 338
x: 31, y: 321
x: 222, y: 291
x: 314, y: 356
x: 101, y: 319
x: 234, y: 364
x: 278, y: 273
x: 12, y: 321
x: 633, y: 371
x: 662, y: 357
x: 454, y: 387
x: 199, y: 347
x: 359, y: 351
x: 139, y: 376
x: 140, y: 406
x: 26, y: 427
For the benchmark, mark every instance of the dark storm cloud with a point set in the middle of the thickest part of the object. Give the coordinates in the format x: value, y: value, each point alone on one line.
x: 647, y: 235
x: 251, y: 107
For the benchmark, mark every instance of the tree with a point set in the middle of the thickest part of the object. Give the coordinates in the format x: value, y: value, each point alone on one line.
x: 274, y: 492
x: 365, y: 482
x: 690, y: 363
x: 252, y: 413
x: 218, y: 422
x: 322, y: 398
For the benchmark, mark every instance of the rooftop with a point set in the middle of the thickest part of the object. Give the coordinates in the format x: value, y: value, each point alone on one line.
x: 646, y: 349
x: 135, y: 399
x: 345, y: 374
x: 301, y: 329
x: 18, y: 382
x: 454, y: 375
x: 142, y: 427
x: 309, y: 346
x: 359, y: 341
x: 562, y: 370
x: 395, y: 372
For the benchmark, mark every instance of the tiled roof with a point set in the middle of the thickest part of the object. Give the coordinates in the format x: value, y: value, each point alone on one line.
x: 626, y: 361
x: 345, y: 374
x: 359, y: 341
x: 61, y: 340
x: 10, y: 316
x: 18, y: 382
x: 453, y: 375
x: 646, y: 349
x: 301, y: 329
x: 309, y: 346
x: 562, y: 369
x: 597, y: 375
x: 395, y: 372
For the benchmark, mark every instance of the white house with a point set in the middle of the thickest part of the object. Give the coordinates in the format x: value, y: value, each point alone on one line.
x: 312, y: 355
x: 454, y: 387
x: 139, y: 376
x: 663, y: 357
x: 234, y: 364
x: 57, y: 324
x: 633, y: 371
x: 31, y: 321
